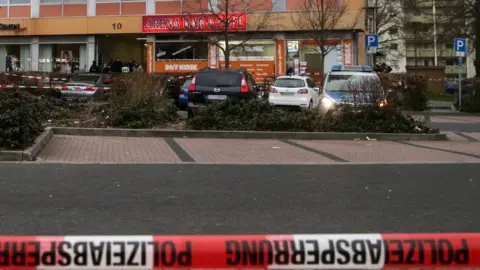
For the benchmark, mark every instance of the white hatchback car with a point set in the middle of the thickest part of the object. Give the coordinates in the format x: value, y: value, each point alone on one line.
x: 298, y: 91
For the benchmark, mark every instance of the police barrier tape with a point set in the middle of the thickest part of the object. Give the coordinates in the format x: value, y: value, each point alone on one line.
x: 315, y: 251
x: 36, y: 77
x: 61, y: 88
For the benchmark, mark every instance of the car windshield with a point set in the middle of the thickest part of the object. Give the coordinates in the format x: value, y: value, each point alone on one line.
x: 85, y: 79
x: 351, y: 82
x: 218, y: 79
x: 289, y: 83
x: 187, y: 83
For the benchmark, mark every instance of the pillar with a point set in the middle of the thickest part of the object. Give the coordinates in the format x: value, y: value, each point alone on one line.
x: 91, y: 8
x: 34, y: 53
x: 280, y: 54
x: 150, y: 54
x: 150, y: 7
x: 90, y: 50
x: 35, y: 8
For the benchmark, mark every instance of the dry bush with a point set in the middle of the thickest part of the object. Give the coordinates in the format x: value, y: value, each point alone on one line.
x: 406, y: 90
x: 140, y: 101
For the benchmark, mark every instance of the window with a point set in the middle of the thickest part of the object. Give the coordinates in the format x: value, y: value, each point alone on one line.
x: 448, y: 46
x: 19, y: 2
x: 310, y: 83
x: 289, y: 83
x: 426, y: 45
x: 393, y: 31
x: 181, y: 51
x: 46, y: 2
x: 394, y: 46
x: 3, y: 2
x: 74, y: 1
x: 278, y: 5
x: 218, y: 79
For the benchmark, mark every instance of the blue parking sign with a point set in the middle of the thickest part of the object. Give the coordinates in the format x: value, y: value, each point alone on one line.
x: 371, y: 41
x: 460, y: 46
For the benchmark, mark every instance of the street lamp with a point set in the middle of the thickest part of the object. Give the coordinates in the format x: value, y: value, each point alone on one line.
x: 434, y: 12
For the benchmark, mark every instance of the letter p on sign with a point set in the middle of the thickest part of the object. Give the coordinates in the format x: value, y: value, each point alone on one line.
x: 460, y: 46
x: 371, y: 41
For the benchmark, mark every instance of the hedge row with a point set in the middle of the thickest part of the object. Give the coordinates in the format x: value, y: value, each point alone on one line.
x: 144, y: 103
x: 261, y: 116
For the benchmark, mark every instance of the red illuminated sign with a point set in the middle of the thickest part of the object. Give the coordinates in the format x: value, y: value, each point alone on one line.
x: 189, y: 23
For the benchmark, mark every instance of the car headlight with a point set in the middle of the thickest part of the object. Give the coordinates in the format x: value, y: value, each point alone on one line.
x: 382, y: 103
x: 327, y: 102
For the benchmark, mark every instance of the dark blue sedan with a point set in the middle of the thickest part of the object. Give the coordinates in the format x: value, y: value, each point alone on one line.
x: 183, y: 96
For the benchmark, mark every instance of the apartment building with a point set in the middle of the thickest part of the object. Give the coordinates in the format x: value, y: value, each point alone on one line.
x: 164, y: 35
x: 430, y: 28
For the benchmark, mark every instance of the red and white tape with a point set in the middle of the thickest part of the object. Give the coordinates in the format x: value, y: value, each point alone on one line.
x: 37, y: 77
x: 62, y: 88
x: 298, y: 251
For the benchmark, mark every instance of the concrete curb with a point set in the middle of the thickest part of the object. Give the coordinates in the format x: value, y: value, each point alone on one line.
x: 30, y: 153
x: 247, y: 134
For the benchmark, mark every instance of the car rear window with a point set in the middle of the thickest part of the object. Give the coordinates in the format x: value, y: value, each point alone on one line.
x: 218, y: 79
x: 85, y: 79
x: 289, y: 83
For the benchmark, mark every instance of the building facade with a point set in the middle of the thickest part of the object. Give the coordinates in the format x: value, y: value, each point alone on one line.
x: 163, y: 35
x: 430, y: 28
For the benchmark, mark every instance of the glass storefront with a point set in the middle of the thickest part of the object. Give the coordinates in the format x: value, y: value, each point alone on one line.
x: 16, y: 58
x: 255, y: 50
x: 257, y: 56
x: 125, y: 47
x: 63, y: 58
x: 307, y: 53
x: 182, y: 50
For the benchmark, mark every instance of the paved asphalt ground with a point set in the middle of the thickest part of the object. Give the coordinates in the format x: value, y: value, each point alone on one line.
x: 186, y: 199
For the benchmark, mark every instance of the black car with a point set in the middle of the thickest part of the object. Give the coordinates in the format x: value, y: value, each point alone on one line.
x: 213, y: 85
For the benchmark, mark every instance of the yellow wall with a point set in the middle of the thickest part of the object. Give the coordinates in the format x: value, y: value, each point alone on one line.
x: 277, y: 21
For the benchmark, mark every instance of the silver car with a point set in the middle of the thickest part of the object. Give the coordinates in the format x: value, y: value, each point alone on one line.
x: 86, y: 85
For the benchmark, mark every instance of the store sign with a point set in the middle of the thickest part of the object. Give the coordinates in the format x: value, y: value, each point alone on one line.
x: 213, y: 55
x: 280, y: 57
x: 9, y: 26
x: 196, y: 23
x: 150, y: 57
x: 347, y: 52
x: 249, y: 49
x: 179, y: 66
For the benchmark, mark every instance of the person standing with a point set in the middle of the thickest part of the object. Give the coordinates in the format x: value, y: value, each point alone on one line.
x: 94, y: 68
x: 117, y: 66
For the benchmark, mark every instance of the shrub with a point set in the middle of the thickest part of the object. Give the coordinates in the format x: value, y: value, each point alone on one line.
x: 261, y: 116
x: 405, y: 90
x: 142, y: 103
x: 470, y: 103
x: 21, y: 118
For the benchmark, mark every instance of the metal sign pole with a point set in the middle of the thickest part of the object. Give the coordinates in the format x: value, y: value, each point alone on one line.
x: 460, y: 60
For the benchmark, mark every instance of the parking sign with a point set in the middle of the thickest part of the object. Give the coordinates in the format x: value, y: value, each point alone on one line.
x: 460, y: 46
x: 371, y: 41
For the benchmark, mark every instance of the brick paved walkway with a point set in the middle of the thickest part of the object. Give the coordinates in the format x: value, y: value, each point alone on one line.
x: 85, y: 149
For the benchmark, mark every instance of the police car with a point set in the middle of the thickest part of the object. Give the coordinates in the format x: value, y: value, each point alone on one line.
x: 350, y: 85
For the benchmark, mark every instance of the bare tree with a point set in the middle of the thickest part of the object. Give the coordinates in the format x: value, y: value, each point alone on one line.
x: 321, y: 18
x: 389, y: 21
x: 229, y: 14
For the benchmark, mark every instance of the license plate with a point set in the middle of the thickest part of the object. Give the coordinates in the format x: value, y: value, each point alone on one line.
x: 216, y: 97
x: 287, y: 93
